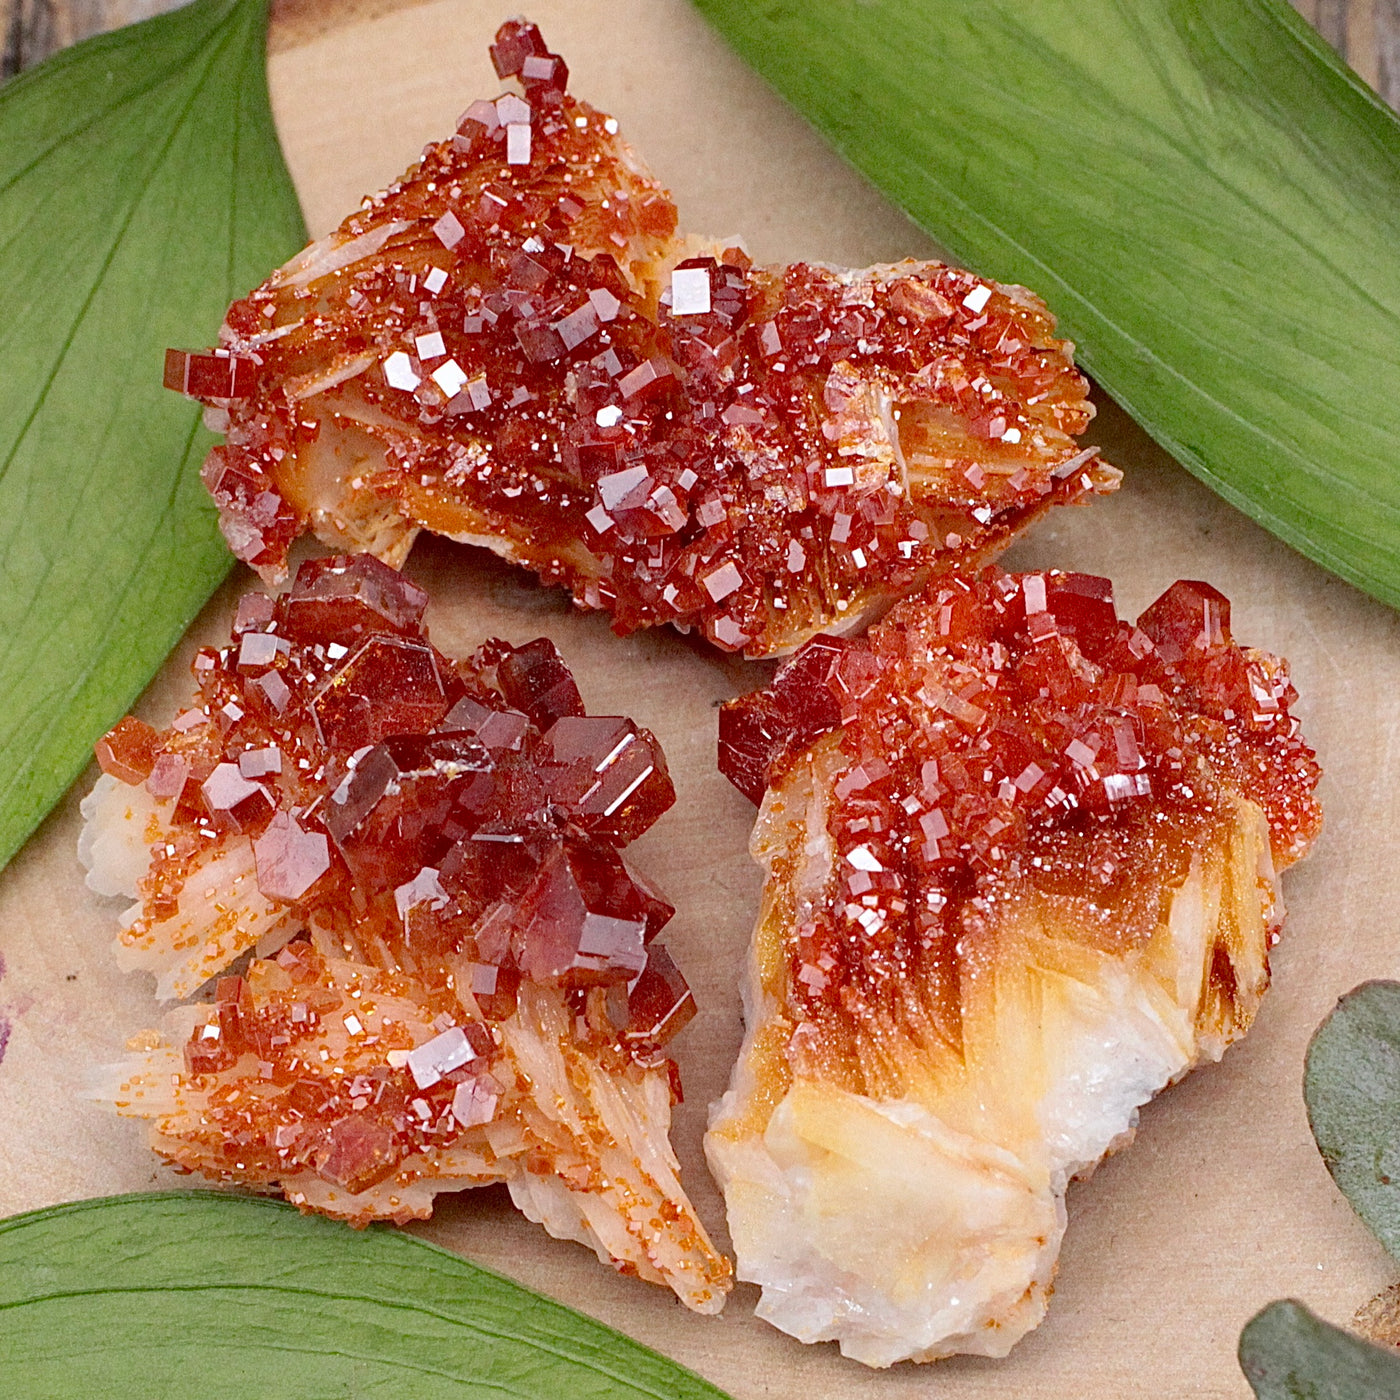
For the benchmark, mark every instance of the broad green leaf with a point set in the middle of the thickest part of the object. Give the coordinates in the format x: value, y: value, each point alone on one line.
x: 186, y: 1294
x: 141, y: 189
x: 1204, y: 194
x: 1352, y: 1086
x: 1288, y: 1354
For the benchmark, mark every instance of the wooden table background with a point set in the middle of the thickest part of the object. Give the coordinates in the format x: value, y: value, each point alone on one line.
x: 1365, y: 32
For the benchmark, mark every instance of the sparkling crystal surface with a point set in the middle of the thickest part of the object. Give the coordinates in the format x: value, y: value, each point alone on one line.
x: 582, y: 921
x: 1010, y: 733
x: 659, y: 1003
x: 522, y: 350
x: 464, y: 813
x: 128, y: 751
x: 339, y: 599
x: 388, y: 685
x: 422, y: 857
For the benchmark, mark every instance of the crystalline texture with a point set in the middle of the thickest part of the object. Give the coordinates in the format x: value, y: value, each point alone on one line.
x: 610, y: 777
x: 338, y: 599
x: 433, y: 847
x: 759, y: 454
x: 390, y: 816
x: 389, y: 685
x: 210, y: 376
x: 290, y: 859
x: 128, y: 751
x: 798, y: 705
x: 660, y: 1003
x: 535, y: 679
x: 582, y: 921
x: 1028, y: 710
x: 235, y: 800
x: 1021, y: 863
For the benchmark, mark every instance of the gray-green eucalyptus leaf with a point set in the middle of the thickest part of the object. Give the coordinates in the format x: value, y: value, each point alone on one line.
x: 1351, y: 1082
x: 174, y: 1295
x: 1288, y: 1354
x: 141, y: 189
x: 1200, y: 189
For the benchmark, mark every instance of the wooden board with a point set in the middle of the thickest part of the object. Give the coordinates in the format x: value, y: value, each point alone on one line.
x: 1223, y: 1202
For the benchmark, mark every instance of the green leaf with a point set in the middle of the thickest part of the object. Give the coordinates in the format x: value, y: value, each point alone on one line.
x: 200, y: 1294
x: 141, y: 189
x: 1351, y: 1082
x: 1202, y: 192
x: 1288, y: 1354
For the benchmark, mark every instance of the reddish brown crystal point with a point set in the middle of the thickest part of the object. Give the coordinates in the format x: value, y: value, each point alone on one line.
x: 388, y: 685
x: 211, y: 376
x: 535, y: 679
x: 169, y: 776
x: 234, y: 801
x: 1190, y: 620
x: 609, y: 776
x: 127, y: 752
x: 341, y: 598
x: 660, y: 1003
x: 517, y: 40
x: 290, y: 859
x: 258, y: 522
x: 582, y: 922
x: 358, y: 1154
x: 801, y: 702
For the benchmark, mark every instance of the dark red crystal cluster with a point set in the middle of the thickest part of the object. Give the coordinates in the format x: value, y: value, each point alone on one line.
x: 1010, y: 732
x: 510, y: 345
x: 444, y: 831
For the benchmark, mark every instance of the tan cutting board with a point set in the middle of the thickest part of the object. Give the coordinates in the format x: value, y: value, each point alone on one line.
x: 1222, y: 1204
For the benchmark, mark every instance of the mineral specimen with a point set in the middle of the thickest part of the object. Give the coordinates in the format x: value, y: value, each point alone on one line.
x: 1021, y: 866
x: 453, y: 976
x: 512, y: 346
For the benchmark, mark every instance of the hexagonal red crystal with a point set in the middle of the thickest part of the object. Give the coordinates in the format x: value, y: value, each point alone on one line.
x: 582, y: 921
x: 289, y: 858
x: 345, y: 596
x: 390, y: 685
x: 609, y: 776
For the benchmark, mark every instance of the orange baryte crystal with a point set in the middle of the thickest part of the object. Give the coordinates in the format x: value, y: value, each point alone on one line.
x: 512, y: 346
x: 456, y: 979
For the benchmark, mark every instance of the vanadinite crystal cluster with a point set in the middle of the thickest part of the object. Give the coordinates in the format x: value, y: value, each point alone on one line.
x: 454, y: 976
x: 512, y: 346
x: 1021, y: 855
x: 982, y: 726
x: 1021, y: 866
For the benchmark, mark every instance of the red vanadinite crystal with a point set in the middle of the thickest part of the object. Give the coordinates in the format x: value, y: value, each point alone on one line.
x: 339, y: 600
x: 1011, y: 731
x: 443, y: 818
x: 213, y: 376
x: 506, y: 344
x: 128, y: 752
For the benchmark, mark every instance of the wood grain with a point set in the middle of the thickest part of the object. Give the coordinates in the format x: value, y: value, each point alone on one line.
x: 30, y: 30
x: 1365, y: 32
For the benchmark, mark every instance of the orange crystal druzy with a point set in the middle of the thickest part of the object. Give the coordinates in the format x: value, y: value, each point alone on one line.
x: 435, y: 823
x: 512, y: 346
x: 1011, y: 732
